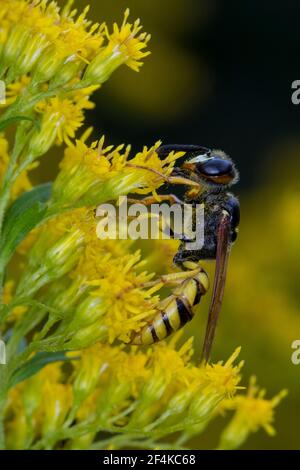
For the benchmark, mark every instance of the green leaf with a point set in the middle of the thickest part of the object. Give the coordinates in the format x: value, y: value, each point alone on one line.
x: 22, y: 216
x: 9, y: 121
x: 34, y: 365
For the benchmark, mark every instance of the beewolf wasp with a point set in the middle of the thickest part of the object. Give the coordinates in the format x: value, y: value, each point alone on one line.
x: 207, y: 175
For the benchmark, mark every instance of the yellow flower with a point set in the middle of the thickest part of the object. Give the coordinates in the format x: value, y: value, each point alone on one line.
x: 117, y: 302
x: 8, y: 16
x: 127, y: 302
x: 125, y: 46
x: 120, y: 379
x: 219, y: 381
x: 80, y: 35
x: 99, y: 255
x: 252, y: 411
x: 32, y: 27
x: 55, y: 252
x: 56, y: 45
x: 128, y: 43
x: 39, y: 16
x: 62, y: 117
x: 224, y: 377
x: 160, y: 388
x: 25, y: 408
x: 77, y: 43
x: 38, y: 35
x: 13, y: 90
x: 105, y: 289
x: 169, y: 387
x: 95, y: 174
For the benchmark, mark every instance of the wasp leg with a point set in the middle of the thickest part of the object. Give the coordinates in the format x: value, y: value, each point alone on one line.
x: 173, y: 278
x: 176, y: 310
x: 148, y: 200
x: 192, y: 193
x: 168, y: 179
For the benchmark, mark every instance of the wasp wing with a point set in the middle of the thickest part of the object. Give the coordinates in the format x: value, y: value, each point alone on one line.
x: 222, y: 255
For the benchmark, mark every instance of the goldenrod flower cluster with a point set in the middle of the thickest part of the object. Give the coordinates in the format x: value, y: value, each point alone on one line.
x: 127, y: 399
x: 71, y: 380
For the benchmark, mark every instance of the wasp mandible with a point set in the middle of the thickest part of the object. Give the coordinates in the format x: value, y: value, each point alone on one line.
x: 207, y: 174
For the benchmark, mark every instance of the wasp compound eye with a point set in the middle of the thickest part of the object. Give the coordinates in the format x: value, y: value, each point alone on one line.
x: 215, y: 166
x: 216, y: 170
x: 213, y: 169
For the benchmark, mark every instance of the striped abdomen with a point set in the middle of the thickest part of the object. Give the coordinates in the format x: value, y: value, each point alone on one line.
x: 177, y: 312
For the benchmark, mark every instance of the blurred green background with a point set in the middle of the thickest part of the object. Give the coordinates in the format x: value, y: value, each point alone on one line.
x: 220, y: 75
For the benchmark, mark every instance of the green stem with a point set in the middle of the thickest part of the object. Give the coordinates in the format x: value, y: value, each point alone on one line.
x: 124, y: 436
x: 134, y: 442
x: 27, y: 100
x: 4, y: 201
x: 2, y: 70
x: 5, y: 193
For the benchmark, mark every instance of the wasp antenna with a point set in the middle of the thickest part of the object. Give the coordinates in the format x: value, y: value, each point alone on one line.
x: 164, y: 150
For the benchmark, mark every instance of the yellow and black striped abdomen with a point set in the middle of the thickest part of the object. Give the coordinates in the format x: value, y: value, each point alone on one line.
x: 177, y: 310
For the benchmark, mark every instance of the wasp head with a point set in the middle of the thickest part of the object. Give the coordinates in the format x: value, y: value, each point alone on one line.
x: 213, y: 168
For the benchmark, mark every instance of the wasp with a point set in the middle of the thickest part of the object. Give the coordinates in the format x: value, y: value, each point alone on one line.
x: 207, y: 175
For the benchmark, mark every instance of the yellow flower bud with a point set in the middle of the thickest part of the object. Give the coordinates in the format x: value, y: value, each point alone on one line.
x: 112, y: 400
x: 151, y: 393
x: 103, y: 65
x: 68, y: 70
x: 235, y: 434
x: 203, y: 406
x: 47, y: 65
x: 87, y: 312
x: 88, y: 336
x: 58, y: 400
x: 30, y: 54
x: 15, y: 44
x: 49, y: 262
x: 92, y: 364
x: 179, y: 402
x: 43, y: 139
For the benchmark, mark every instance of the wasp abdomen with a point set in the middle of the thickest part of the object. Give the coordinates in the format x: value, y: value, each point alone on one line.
x: 177, y: 311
